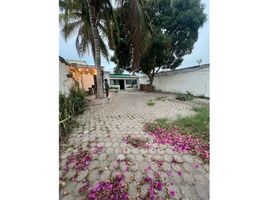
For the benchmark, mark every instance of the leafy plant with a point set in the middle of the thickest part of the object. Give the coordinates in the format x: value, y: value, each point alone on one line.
x: 69, y: 106
x: 185, y: 96
x: 78, y: 101
x: 150, y: 103
x: 202, y: 96
x: 197, y: 125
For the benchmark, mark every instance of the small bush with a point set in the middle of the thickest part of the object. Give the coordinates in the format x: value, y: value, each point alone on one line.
x: 184, y: 96
x: 202, y: 97
x: 78, y: 100
x: 150, y: 103
x: 70, y: 105
x: 197, y: 125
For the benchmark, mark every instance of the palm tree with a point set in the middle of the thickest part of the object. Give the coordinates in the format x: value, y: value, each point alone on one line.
x: 84, y: 19
x: 93, y: 18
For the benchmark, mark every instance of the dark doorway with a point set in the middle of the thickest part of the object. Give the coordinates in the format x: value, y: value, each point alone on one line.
x: 122, y: 84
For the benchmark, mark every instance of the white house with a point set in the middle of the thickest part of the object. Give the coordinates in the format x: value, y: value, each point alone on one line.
x: 65, y: 82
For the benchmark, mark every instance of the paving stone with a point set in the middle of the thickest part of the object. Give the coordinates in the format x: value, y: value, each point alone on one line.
x: 102, y: 156
x: 68, y: 197
x: 121, y: 157
x: 187, y: 158
x: 167, y: 158
x: 169, y: 151
x: 108, y: 144
x: 109, y: 150
x: 105, y: 175
x: 138, y: 176
x: 82, y: 175
x: 94, y: 175
x: 189, y: 193
x: 166, y: 166
x: 117, y: 150
x: 129, y: 176
x: 202, y: 191
x: 132, y: 191
x: 188, y: 167
x: 188, y: 178
x: 201, y: 179
x: 116, y: 144
x: 176, y: 167
x: 94, y: 164
x: 70, y: 174
x: 178, y: 158
x: 144, y: 151
x: 109, y: 123
x: 144, y: 165
x: 135, y: 151
x: 144, y: 190
x: 139, y: 157
x: 104, y: 164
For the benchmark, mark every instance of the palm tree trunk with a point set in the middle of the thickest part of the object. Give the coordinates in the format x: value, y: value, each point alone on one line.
x: 97, y: 57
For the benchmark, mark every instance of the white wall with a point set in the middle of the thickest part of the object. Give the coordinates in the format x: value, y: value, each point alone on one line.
x: 195, y: 81
x: 64, y: 82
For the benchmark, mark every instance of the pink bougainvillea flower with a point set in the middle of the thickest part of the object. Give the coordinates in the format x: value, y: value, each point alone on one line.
x: 172, y: 193
x: 196, y: 165
x: 159, y: 185
x: 181, y: 142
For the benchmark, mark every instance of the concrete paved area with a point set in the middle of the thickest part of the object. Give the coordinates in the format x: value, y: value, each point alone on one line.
x: 102, y: 134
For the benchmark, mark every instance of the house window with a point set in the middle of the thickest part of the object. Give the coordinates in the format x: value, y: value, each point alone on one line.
x: 114, y: 82
x: 131, y: 82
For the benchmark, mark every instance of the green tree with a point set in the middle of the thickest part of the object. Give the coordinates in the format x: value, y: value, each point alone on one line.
x: 180, y: 20
x: 156, y: 56
x: 93, y: 19
x: 175, y: 25
x: 88, y: 18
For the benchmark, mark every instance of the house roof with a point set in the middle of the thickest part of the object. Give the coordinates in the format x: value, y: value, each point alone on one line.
x: 122, y: 76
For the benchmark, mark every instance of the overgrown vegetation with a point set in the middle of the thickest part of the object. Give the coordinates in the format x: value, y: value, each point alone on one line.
x: 69, y: 106
x: 150, y: 103
x: 202, y: 96
x: 184, y: 96
x: 197, y: 125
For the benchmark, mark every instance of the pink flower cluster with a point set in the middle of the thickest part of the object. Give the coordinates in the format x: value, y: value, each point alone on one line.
x: 181, y: 143
x: 97, y: 149
x: 154, y: 185
x: 110, y: 190
x: 80, y: 162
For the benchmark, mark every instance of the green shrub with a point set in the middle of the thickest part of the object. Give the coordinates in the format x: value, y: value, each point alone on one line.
x: 150, y: 103
x: 202, y: 97
x: 78, y: 100
x: 66, y: 112
x: 184, y: 96
x: 70, y: 105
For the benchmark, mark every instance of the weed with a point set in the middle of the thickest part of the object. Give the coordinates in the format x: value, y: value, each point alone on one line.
x: 150, y: 103
x: 197, y: 125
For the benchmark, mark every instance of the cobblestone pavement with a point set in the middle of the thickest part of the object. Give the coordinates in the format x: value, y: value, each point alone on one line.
x: 103, y: 127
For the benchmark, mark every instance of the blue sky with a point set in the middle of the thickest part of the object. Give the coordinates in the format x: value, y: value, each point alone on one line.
x: 201, y: 48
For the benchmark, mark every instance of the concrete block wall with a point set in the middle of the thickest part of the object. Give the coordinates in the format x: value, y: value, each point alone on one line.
x: 194, y: 80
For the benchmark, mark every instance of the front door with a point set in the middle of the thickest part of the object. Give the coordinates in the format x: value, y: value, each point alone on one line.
x: 122, y: 84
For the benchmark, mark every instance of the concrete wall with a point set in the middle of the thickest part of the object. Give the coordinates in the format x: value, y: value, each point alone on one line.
x: 87, y: 80
x: 194, y: 80
x: 65, y: 83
